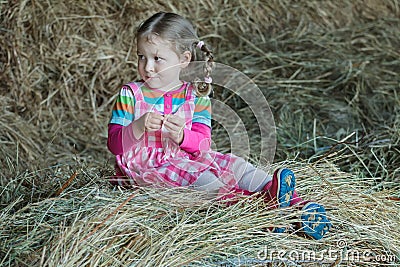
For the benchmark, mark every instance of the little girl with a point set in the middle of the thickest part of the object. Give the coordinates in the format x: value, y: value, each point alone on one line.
x: 160, y: 129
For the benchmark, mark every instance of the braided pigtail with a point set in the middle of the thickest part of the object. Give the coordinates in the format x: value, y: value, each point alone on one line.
x: 204, y: 88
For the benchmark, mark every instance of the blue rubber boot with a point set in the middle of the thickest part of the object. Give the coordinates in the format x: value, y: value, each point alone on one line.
x: 314, y: 222
x: 280, y: 191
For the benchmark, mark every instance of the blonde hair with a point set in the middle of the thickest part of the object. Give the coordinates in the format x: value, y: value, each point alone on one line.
x: 181, y: 33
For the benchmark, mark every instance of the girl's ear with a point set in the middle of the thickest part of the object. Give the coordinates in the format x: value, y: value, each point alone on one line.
x: 186, y: 58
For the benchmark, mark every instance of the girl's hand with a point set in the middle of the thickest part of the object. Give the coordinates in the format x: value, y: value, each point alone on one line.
x: 149, y: 122
x: 152, y: 121
x: 175, y: 125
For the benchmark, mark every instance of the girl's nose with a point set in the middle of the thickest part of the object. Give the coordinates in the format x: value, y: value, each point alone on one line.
x: 149, y: 67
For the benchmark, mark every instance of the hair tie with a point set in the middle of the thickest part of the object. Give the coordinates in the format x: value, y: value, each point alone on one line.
x: 200, y: 44
x: 207, y: 79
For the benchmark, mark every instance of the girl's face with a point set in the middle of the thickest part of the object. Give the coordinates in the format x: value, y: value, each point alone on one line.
x: 158, y: 64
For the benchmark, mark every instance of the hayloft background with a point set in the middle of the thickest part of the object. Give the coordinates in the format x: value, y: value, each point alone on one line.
x: 329, y: 70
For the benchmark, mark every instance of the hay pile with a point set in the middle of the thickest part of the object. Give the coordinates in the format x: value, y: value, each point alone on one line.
x: 93, y: 225
x: 329, y: 70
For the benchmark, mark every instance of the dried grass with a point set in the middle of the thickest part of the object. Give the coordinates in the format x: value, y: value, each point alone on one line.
x: 94, y: 225
x: 329, y: 70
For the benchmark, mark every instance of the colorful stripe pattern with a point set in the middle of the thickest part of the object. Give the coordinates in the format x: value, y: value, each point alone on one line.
x: 123, y: 111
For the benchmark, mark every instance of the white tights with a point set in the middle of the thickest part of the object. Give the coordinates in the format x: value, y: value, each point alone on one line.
x: 247, y: 177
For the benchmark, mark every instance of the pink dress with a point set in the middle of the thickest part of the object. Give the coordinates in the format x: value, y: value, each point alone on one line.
x: 155, y: 160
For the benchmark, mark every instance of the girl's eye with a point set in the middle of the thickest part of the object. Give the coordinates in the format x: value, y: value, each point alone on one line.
x: 140, y: 57
x: 157, y: 58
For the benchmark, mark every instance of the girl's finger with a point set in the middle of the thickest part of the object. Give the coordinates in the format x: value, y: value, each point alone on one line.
x: 173, y: 127
x: 175, y: 120
x: 170, y: 126
x: 153, y: 127
x: 157, y: 116
x: 156, y: 121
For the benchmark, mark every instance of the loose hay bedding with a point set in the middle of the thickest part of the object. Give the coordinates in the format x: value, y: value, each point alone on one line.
x: 329, y: 70
x: 97, y: 225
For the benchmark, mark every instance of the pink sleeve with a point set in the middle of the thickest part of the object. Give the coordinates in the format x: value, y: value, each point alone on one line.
x: 115, y: 133
x: 114, y: 141
x: 196, y: 139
